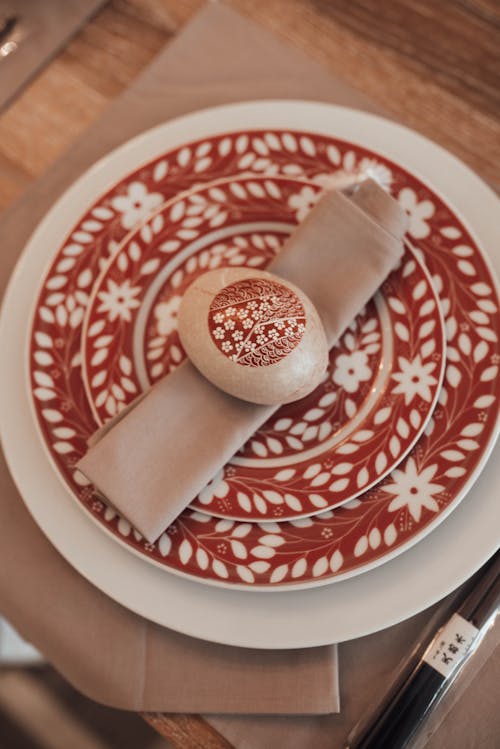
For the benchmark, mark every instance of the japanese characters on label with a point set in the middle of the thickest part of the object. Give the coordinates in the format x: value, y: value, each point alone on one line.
x: 450, y: 645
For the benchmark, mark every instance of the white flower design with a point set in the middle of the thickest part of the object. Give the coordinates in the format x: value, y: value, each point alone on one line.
x: 166, y: 315
x: 354, y: 173
x: 217, y: 487
x: 118, y: 300
x: 413, y: 490
x: 303, y: 201
x: 414, y: 378
x: 350, y: 370
x: 136, y: 204
x: 418, y: 212
x: 373, y: 169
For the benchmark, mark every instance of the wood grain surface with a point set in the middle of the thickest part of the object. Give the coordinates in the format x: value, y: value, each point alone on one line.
x: 433, y: 65
x: 186, y: 731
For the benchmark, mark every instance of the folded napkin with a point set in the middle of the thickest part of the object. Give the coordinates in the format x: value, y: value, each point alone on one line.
x: 153, y: 461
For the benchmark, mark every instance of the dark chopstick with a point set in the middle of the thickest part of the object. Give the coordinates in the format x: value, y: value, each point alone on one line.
x: 425, y: 680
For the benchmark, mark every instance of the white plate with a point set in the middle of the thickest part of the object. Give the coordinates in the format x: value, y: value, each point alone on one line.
x: 348, y: 609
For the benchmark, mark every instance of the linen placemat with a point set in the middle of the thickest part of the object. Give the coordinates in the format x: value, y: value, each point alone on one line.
x: 120, y: 659
x: 196, y: 70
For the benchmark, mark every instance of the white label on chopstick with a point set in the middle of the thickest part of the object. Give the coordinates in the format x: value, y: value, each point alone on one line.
x: 450, y: 645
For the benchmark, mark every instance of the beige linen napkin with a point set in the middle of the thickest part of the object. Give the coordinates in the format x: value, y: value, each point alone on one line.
x: 156, y: 459
x: 105, y: 650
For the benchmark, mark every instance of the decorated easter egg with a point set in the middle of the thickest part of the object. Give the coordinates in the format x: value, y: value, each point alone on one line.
x: 253, y: 335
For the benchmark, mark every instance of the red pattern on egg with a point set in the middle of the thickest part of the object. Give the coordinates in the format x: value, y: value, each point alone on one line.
x: 256, y: 322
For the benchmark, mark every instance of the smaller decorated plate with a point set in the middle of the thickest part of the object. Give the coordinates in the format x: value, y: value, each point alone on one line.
x: 312, y: 455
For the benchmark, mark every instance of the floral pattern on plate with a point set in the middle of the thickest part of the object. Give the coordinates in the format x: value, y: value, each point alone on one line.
x: 314, y: 454
x: 368, y: 530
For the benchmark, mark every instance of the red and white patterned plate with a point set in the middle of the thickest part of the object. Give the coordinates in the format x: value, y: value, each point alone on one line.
x: 312, y: 455
x: 367, y: 531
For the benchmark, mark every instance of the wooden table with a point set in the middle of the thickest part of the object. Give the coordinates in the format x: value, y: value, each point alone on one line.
x: 433, y: 65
